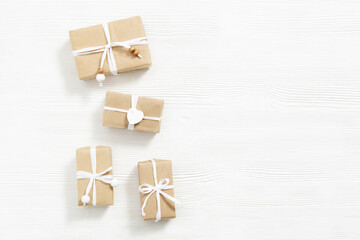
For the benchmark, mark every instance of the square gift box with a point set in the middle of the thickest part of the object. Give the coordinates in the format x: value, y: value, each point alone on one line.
x: 110, y: 48
x: 156, y: 189
x: 94, y: 176
x: 132, y: 112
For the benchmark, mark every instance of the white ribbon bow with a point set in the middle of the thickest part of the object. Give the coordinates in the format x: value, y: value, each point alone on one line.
x: 107, y: 51
x: 94, y: 176
x: 163, y: 184
x: 134, y: 115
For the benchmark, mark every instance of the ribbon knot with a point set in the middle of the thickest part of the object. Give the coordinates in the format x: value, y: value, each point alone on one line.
x: 163, y: 184
x: 107, y: 51
x: 158, y: 190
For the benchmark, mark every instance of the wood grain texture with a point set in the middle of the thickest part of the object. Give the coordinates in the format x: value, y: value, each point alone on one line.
x: 261, y: 120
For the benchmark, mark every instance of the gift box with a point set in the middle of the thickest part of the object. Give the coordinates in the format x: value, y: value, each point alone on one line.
x: 110, y: 48
x: 132, y: 112
x: 156, y: 189
x: 94, y: 176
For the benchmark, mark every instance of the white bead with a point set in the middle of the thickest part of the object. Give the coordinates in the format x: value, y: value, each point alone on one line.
x: 85, y: 199
x: 100, y: 78
x: 114, y: 182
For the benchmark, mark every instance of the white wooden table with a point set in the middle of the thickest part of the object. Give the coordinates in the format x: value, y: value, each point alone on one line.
x: 261, y: 120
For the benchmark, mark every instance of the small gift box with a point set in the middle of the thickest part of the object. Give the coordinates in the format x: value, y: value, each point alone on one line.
x: 156, y: 190
x: 132, y: 112
x: 94, y: 176
x: 110, y: 48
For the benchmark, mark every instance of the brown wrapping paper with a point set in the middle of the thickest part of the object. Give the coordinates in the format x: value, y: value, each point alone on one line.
x: 151, y: 107
x: 121, y: 30
x: 146, y: 175
x: 104, y: 191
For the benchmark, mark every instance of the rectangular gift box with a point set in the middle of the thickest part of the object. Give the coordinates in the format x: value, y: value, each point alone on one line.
x: 151, y: 107
x: 104, y: 191
x: 93, y: 36
x: 146, y: 176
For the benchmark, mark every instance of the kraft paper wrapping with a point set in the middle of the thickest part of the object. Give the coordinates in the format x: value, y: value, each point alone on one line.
x: 121, y: 30
x: 146, y: 175
x: 104, y: 191
x: 151, y: 107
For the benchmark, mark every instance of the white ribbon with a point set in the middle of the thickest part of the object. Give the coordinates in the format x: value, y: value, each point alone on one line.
x: 163, y: 184
x: 94, y: 176
x: 107, y: 51
x: 134, y: 115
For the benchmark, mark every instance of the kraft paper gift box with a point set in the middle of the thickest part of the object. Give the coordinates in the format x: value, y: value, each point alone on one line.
x: 120, y: 31
x: 119, y: 109
x: 97, y: 158
x: 146, y: 179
